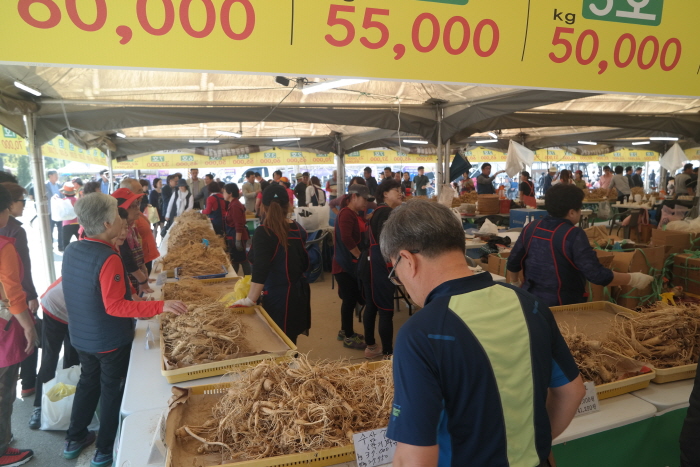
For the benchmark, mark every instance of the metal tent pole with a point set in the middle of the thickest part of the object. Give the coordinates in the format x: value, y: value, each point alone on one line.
x: 441, y: 176
x: 111, y: 172
x: 42, y: 207
x: 340, y: 165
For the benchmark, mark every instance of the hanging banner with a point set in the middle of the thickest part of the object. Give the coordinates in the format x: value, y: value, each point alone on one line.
x: 61, y: 148
x: 387, y: 157
x: 12, y: 143
x: 186, y: 160
x: 628, y: 46
x: 553, y: 156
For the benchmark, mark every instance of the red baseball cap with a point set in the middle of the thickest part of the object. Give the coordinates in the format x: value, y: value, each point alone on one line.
x: 125, y: 197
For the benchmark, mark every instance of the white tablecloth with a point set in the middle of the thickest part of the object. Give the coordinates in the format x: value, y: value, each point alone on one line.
x: 614, y: 413
x: 146, y: 388
x: 667, y: 396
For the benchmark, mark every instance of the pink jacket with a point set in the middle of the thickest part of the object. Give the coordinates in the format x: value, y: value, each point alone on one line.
x: 12, y: 341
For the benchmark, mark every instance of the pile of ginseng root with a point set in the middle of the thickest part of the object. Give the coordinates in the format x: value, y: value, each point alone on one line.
x: 207, y: 333
x: 593, y: 361
x: 210, y: 332
x: 665, y: 336
x: 187, y: 251
x: 284, y: 408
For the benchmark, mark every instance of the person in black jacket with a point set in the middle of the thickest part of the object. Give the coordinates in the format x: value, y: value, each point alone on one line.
x: 280, y: 259
x: 371, y: 181
x: 169, y: 189
x: 155, y: 199
x: 378, y: 290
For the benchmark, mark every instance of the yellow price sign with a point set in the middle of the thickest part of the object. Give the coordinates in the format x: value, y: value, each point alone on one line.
x: 630, y: 46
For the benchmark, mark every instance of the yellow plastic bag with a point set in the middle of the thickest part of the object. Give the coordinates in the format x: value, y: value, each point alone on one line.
x: 60, y: 391
x: 240, y: 291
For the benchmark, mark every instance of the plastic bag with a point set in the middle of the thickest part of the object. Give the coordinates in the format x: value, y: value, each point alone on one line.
x: 488, y: 228
x: 604, y: 210
x: 313, y: 217
x: 55, y: 414
x: 60, y: 391
x: 447, y: 194
x: 151, y: 214
x: 61, y: 209
x: 240, y: 291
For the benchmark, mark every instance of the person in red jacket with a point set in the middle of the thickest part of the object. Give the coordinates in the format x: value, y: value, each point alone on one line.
x: 216, y: 207
x: 350, y: 240
x: 101, y: 324
x: 237, y: 235
x: 17, y: 335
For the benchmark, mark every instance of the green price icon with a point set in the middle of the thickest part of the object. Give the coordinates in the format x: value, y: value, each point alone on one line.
x: 644, y: 12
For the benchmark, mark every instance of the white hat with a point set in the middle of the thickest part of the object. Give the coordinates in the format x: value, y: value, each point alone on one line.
x: 553, y: 169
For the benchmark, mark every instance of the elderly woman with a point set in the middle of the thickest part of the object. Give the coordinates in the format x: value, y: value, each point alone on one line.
x: 101, y: 324
x: 237, y: 235
x: 15, y: 231
x: 55, y: 332
x: 18, y: 337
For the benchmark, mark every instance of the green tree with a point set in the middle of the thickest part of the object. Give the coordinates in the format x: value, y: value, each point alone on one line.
x: 23, y: 174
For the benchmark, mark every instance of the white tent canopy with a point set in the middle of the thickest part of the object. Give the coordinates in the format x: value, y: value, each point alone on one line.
x: 162, y: 110
x: 78, y: 168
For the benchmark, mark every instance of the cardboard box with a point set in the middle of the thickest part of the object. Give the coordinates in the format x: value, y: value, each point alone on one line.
x: 679, y: 241
x: 642, y: 259
x: 497, y: 263
x: 597, y: 293
x: 598, y: 237
x: 686, y: 273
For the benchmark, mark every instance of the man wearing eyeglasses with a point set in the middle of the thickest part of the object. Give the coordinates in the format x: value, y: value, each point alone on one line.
x: 482, y: 375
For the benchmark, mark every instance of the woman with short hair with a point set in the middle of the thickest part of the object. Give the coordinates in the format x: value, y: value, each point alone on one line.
x: 216, y: 208
x: 14, y: 230
x: 236, y: 229
x: 378, y: 289
x: 155, y: 199
x: 18, y: 337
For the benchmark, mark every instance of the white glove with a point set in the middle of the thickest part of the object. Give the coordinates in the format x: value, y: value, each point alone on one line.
x: 639, y: 280
x: 244, y: 302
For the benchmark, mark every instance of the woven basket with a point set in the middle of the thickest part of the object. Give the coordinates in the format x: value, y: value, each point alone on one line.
x: 489, y: 204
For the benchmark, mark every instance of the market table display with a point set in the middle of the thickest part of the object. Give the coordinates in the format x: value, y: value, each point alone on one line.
x: 667, y: 396
x: 135, y: 443
x: 145, y: 387
x: 615, y: 436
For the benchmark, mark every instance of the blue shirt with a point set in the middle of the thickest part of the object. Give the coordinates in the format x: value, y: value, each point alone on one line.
x: 471, y: 374
x: 547, y: 183
x: 556, y: 259
x: 51, y: 190
x: 104, y: 186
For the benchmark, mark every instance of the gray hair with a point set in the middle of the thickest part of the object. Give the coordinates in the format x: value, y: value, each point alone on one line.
x: 127, y: 182
x: 94, y: 210
x: 424, y: 226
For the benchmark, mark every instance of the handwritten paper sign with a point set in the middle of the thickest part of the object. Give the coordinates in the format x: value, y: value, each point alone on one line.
x: 373, y: 448
x: 589, y: 404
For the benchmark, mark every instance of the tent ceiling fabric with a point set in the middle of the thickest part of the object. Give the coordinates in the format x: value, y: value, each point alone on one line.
x: 160, y: 110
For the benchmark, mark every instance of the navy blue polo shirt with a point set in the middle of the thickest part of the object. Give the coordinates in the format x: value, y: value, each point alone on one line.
x: 471, y: 373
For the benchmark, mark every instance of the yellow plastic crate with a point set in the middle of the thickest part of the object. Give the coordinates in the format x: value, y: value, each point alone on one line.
x: 206, y: 370
x: 617, y: 388
x: 679, y: 373
x: 321, y: 458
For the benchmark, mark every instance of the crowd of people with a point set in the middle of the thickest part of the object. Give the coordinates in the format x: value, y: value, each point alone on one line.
x: 443, y: 400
